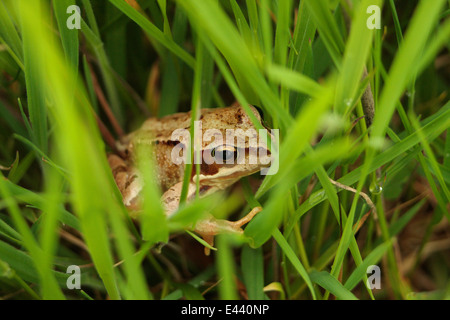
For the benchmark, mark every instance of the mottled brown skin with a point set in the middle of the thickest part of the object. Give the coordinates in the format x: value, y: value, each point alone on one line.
x: 157, y: 132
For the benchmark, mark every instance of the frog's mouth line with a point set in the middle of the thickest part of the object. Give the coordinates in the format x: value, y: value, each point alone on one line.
x: 230, y: 178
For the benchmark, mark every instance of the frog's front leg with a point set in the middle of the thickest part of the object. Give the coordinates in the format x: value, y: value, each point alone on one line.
x: 210, y: 226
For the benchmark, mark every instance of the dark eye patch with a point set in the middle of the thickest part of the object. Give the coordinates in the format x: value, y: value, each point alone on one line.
x: 224, y: 154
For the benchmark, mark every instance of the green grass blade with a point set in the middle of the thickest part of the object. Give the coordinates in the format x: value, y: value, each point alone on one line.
x: 304, y: 32
x: 294, y: 260
x: 9, y: 33
x: 266, y: 30
x: 36, y: 95
x: 327, y: 281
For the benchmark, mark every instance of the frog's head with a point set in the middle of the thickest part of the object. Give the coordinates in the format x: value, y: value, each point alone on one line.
x: 232, y: 146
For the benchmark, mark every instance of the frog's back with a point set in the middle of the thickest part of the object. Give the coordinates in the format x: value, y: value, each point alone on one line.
x: 161, y: 129
x: 233, y: 117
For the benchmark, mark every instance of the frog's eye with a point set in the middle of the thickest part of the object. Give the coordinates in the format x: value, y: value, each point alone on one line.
x: 224, y: 154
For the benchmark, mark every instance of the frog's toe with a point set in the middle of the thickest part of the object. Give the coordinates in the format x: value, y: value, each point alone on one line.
x: 209, y: 240
x: 238, y: 224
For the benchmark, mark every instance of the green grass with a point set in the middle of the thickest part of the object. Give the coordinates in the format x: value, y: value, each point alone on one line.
x: 65, y: 94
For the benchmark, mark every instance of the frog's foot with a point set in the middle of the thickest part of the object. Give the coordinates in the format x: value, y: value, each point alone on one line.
x: 211, y: 226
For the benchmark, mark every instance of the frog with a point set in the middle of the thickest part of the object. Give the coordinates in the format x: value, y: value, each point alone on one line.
x: 213, y: 177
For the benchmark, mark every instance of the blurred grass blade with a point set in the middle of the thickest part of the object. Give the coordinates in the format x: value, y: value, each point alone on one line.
x: 294, y: 80
x: 253, y: 272
x: 225, y: 268
x: 153, y: 214
x: 135, y: 283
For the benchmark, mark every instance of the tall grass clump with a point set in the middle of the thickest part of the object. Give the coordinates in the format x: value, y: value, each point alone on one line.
x: 364, y: 156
